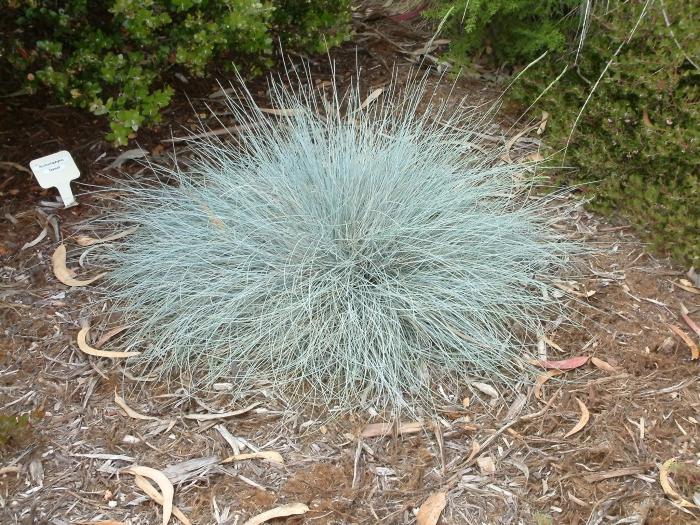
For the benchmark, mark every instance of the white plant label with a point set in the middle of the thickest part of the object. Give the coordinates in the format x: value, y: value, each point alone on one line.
x: 56, y: 171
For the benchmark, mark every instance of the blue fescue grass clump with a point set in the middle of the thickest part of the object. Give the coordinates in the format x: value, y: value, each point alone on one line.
x: 344, y: 253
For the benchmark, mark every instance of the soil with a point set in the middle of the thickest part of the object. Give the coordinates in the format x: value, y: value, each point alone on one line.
x: 498, y: 461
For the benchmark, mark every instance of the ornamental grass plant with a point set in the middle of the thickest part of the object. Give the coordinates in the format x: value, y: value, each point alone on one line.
x: 342, y: 252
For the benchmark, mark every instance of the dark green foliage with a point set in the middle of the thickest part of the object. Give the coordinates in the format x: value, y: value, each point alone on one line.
x: 637, y: 140
x: 513, y: 30
x: 110, y: 56
x: 325, y: 23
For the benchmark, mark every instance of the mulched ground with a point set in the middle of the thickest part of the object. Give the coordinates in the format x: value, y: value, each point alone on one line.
x: 498, y: 456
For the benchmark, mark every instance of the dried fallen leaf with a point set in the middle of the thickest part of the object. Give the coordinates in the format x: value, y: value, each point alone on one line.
x: 86, y: 348
x: 430, y: 510
x: 535, y: 156
x: 109, y: 334
x: 10, y: 470
x: 685, y: 314
x: 130, y: 154
x: 129, y: 411
x: 384, y: 429
x: 270, y: 455
x: 565, y: 364
x: 156, y: 496
x: 37, y: 239
x: 694, y: 350
x: 486, y: 465
x: 476, y: 448
x: 665, y: 483
x: 603, y: 365
x: 292, y: 509
x: 513, y: 140
x: 543, y: 123
x: 542, y: 379
x: 166, y: 488
x: 209, y: 417
x: 486, y: 389
x: 84, y: 240
x: 552, y: 343
x: 374, y: 95
x: 61, y: 271
x: 687, y: 286
x: 582, y: 422
x: 535, y: 415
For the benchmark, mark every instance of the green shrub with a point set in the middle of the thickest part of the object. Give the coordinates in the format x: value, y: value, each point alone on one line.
x: 510, y: 30
x: 111, y: 56
x: 638, y: 137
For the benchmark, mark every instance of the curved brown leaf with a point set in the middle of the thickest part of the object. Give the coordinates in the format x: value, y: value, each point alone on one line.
x: 542, y: 379
x: 156, y: 496
x: 84, y: 240
x: 694, y: 350
x: 279, y: 512
x: 582, y: 422
x: 374, y: 95
x: 86, y: 348
x: 687, y: 286
x: 109, y: 334
x: 692, y: 324
x: 476, y: 448
x: 61, y: 271
x: 603, y: 365
x: 129, y: 411
x: 166, y: 487
x: 666, y: 485
x: 430, y: 510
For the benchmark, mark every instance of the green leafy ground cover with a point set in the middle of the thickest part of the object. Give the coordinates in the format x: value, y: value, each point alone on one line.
x: 112, y: 57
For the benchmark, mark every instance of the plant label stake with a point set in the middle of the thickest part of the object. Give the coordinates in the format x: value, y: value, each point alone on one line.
x: 56, y: 171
